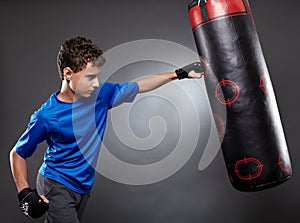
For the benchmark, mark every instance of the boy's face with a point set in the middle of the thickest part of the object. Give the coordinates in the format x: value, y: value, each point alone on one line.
x: 84, y: 82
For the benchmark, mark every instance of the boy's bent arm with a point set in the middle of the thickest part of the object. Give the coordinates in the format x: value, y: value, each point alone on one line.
x: 19, y: 170
x: 30, y: 202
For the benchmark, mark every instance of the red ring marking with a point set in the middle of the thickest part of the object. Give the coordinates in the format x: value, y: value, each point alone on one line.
x: 227, y: 101
x: 281, y: 164
x: 221, y: 124
x: 245, y: 161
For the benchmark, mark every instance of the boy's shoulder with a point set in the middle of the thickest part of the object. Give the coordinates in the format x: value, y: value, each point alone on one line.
x: 47, y: 107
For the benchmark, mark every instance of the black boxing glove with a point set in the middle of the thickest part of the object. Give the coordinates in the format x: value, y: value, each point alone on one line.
x: 197, y: 67
x: 31, y: 204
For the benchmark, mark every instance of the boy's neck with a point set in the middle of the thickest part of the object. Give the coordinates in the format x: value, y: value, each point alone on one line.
x: 66, y: 94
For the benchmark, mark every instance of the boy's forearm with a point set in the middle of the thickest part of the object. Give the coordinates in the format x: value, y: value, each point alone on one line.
x: 19, y: 170
x: 155, y: 81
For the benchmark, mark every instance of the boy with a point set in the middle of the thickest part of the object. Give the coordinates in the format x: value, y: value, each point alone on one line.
x: 66, y: 176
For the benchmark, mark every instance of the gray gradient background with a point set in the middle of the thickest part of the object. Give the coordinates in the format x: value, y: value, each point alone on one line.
x: 31, y: 32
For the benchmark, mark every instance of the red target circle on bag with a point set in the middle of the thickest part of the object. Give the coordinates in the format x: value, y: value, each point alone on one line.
x: 248, y: 168
x: 220, y: 125
x: 283, y: 163
x: 262, y: 84
x: 231, y: 92
x: 206, y: 64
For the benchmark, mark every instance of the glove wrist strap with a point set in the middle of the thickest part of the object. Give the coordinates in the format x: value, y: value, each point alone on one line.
x: 24, y: 193
x: 181, y: 74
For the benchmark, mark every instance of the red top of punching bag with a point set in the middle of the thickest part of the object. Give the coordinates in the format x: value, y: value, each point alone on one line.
x: 204, y: 11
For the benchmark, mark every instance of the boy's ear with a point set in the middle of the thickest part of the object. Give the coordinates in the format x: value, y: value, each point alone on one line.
x: 67, y: 73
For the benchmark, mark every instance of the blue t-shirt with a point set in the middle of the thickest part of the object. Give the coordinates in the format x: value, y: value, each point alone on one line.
x: 73, y: 133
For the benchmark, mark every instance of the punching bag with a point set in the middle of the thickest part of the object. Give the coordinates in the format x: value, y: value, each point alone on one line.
x: 253, y: 142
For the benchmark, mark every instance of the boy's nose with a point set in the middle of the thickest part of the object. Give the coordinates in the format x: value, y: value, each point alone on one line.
x: 96, y: 83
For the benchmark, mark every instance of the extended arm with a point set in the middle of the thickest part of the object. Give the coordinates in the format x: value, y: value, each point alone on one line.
x: 155, y: 81
x: 194, y: 70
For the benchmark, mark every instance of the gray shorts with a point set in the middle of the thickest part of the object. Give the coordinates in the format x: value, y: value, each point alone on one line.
x: 65, y: 206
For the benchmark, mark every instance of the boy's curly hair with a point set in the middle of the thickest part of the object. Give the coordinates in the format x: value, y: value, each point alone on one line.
x: 76, y: 52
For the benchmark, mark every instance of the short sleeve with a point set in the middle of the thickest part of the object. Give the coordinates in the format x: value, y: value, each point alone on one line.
x: 33, y: 135
x: 124, y: 92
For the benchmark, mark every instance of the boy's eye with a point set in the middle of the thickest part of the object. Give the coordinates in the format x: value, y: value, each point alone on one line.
x: 91, y: 77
